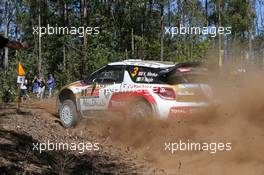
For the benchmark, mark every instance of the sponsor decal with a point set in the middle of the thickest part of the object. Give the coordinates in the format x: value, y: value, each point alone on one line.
x: 141, y: 73
x: 92, y: 102
x: 180, y: 111
x: 147, y: 74
x: 108, y: 92
x: 90, y: 92
x: 139, y: 79
x: 152, y: 74
x: 145, y: 79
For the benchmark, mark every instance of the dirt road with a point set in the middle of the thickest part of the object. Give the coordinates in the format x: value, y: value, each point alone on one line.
x: 36, y: 123
x: 136, y: 146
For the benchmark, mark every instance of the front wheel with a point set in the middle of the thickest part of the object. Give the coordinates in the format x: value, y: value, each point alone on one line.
x: 68, y: 114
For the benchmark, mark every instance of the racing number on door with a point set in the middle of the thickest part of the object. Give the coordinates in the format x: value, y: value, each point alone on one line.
x: 134, y: 71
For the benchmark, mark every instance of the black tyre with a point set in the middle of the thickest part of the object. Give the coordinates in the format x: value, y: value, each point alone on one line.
x: 68, y: 114
x: 140, y: 109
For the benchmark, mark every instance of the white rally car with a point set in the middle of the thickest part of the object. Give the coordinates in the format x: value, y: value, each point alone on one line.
x: 135, y: 88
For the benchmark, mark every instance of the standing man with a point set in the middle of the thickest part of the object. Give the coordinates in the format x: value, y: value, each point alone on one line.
x: 35, y: 83
x: 23, y: 91
x: 41, y: 92
x: 51, y: 84
x: 4, y: 42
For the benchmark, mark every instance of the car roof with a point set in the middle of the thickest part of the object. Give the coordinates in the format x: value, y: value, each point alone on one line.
x: 144, y: 63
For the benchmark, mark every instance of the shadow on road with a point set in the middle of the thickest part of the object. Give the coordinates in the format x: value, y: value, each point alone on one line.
x: 18, y: 157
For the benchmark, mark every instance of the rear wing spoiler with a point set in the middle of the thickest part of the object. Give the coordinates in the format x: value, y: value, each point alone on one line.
x: 185, y: 68
x: 188, y: 64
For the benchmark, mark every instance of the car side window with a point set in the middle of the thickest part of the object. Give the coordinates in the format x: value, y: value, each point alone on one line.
x: 108, y: 75
x: 140, y: 74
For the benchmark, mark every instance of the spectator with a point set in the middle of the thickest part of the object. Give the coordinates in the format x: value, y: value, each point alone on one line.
x: 23, y: 91
x: 35, y: 85
x: 41, y: 92
x: 51, y: 84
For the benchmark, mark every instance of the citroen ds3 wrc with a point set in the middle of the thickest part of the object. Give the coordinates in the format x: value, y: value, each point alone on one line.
x: 135, y: 88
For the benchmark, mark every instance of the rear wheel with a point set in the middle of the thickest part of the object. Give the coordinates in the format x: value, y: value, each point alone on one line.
x: 68, y: 114
x: 140, y: 109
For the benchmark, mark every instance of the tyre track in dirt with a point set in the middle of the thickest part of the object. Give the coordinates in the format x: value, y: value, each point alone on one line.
x: 37, y: 123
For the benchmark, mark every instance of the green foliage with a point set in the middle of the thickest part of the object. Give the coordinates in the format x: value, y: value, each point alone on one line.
x: 8, y: 89
x: 66, y: 58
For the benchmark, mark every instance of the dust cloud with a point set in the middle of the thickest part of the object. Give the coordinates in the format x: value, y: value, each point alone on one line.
x: 236, y: 117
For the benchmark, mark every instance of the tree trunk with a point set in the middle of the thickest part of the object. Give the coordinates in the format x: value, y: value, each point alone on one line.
x: 161, y: 30
x: 85, y: 24
x: 250, y: 31
x: 65, y: 18
x: 206, y: 13
x: 220, y: 59
x: 39, y: 42
x: 169, y: 12
x: 6, y: 49
x: 132, y: 42
x: 6, y: 27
